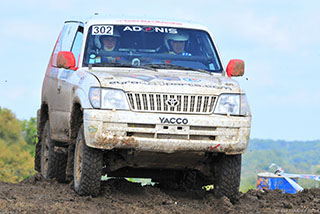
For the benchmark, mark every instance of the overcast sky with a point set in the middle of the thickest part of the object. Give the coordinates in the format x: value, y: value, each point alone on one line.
x: 278, y: 40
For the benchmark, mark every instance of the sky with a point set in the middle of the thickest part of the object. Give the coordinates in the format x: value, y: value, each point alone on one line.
x: 278, y: 40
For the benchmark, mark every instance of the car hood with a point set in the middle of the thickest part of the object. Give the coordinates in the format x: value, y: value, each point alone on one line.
x: 164, y: 81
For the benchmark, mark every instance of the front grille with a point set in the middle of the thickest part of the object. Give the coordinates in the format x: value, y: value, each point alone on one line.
x: 198, y: 104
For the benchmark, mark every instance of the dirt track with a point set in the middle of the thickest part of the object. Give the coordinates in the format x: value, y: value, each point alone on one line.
x: 120, y: 196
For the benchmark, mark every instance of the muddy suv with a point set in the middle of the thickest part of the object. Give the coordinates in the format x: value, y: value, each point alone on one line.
x: 141, y: 98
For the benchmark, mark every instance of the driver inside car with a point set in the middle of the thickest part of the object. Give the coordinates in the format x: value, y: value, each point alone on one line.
x: 176, y: 44
x: 109, y: 43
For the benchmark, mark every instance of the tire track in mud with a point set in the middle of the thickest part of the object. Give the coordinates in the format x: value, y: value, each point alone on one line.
x: 36, y: 195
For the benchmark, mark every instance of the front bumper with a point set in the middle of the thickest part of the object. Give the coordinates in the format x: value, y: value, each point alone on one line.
x: 158, y: 132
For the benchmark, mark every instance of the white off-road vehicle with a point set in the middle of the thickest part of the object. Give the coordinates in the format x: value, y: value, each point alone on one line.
x: 141, y: 98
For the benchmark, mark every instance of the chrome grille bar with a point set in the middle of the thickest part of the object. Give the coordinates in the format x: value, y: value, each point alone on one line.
x: 152, y: 102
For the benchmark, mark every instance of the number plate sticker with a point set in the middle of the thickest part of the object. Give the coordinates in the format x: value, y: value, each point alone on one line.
x: 102, y: 30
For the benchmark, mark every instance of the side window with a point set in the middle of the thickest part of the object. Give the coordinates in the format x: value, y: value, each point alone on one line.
x: 65, y: 40
x: 77, y: 43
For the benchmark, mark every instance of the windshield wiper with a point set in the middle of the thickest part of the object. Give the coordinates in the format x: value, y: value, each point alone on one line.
x: 117, y: 64
x: 114, y: 64
x: 145, y: 67
x: 173, y: 66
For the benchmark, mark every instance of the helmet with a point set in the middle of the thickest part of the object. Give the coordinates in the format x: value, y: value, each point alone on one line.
x: 98, y: 38
x: 179, y: 37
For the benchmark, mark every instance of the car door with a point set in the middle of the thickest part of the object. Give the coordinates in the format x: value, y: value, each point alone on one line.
x: 60, y: 101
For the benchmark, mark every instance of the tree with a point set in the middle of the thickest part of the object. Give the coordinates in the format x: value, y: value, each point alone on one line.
x: 29, y: 134
x: 9, y: 127
x: 16, y: 162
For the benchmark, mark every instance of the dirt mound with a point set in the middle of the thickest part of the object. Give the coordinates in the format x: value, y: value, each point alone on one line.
x: 36, y: 195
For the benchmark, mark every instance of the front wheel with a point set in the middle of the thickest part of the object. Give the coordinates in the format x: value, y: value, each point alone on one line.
x: 87, y: 169
x: 227, y: 171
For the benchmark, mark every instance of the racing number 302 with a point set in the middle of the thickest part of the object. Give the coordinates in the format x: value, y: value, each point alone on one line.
x: 102, y: 30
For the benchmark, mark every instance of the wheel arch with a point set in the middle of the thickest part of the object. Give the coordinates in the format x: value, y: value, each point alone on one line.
x: 76, y: 120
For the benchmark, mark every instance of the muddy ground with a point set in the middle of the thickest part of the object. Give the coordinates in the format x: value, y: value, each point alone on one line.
x: 36, y: 195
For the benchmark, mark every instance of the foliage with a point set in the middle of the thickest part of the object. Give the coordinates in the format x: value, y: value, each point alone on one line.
x: 9, y: 127
x: 29, y: 134
x: 16, y: 162
x: 301, y: 157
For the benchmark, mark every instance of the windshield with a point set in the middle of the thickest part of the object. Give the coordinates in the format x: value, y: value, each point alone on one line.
x: 151, y: 46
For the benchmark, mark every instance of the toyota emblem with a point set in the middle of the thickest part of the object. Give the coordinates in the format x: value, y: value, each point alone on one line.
x: 172, y: 102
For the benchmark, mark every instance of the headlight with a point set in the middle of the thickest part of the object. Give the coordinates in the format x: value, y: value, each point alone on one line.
x: 108, y: 99
x: 95, y: 97
x: 233, y: 104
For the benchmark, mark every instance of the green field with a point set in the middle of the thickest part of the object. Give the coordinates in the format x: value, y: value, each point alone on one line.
x: 300, y: 157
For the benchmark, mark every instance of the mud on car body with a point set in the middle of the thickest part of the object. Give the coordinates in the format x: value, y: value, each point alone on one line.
x: 141, y: 98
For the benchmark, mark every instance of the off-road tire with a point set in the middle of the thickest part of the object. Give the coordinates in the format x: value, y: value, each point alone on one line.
x: 37, y: 157
x: 189, y: 181
x: 53, y: 160
x: 227, y: 177
x: 87, y: 169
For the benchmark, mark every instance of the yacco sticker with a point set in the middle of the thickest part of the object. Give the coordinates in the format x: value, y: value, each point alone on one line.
x: 174, y: 120
x: 191, y: 79
x: 102, y: 30
x: 92, y: 129
x: 150, y: 29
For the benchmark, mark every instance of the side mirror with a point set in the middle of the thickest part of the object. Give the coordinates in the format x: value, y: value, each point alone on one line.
x: 66, y: 60
x: 235, y: 68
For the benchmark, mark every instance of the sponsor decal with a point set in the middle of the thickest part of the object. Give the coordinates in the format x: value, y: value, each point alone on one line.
x: 150, y: 29
x: 168, y: 78
x: 191, y: 79
x: 65, y: 74
x: 92, y: 129
x: 82, y: 76
x: 54, y: 72
x: 149, y: 22
x: 169, y: 84
x: 81, y: 80
x: 174, y: 120
x: 139, y: 77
